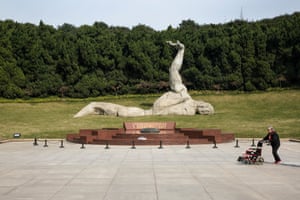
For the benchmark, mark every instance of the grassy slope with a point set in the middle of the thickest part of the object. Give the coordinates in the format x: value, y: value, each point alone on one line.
x: 246, y: 115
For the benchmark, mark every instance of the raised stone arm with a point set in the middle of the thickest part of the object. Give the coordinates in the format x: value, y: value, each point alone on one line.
x: 175, y: 81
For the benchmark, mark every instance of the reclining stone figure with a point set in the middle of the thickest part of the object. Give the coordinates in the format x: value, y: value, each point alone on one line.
x: 175, y: 102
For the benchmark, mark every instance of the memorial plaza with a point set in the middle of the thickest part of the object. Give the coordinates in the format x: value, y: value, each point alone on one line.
x: 67, y: 171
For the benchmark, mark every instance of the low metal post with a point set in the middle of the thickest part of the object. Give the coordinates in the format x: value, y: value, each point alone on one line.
x: 107, y: 145
x: 215, y: 144
x: 61, y: 144
x: 253, y: 145
x: 35, y: 142
x: 237, y: 144
x: 187, y: 144
x: 46, y: 143
x: 133, y: 145
x: 160, y: 145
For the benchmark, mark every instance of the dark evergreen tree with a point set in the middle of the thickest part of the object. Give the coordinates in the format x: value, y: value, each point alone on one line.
x: 40, y: 60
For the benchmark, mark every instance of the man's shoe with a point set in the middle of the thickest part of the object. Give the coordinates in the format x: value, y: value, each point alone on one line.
x: 277, y: 162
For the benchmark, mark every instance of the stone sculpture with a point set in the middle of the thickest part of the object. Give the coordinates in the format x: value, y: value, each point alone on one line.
x: 174, y: 76
x: 175, y: 102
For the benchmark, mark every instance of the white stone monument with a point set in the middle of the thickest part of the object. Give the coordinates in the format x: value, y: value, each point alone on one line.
x: 175, y: 102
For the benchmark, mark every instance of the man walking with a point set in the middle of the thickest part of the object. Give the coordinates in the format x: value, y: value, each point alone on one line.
x: 274, y: 140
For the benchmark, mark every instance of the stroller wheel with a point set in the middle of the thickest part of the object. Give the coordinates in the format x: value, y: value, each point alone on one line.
x: 260, y: 160
x: 247, y: 162
x: 240, y: 158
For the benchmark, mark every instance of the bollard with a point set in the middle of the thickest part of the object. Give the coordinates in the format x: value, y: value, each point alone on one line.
x: 160, y: 145
x: 133, y: 145
x: 253, y: 145
x: 82, y: 146
x: 237, y: 144
x: 215, y: 144
x: 106, y: 146
x: 46, y: 144
x: 187, y: 144
x: 61, y: 144
x: 35, y: 142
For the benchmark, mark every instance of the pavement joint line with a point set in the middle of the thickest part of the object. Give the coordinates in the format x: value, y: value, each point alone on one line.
x: 114, y: 177
x: 154, y: 176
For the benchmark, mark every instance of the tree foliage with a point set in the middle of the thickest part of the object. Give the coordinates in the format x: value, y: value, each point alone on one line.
x: 40, y: 60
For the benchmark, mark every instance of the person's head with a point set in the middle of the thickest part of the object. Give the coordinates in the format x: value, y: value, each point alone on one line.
x: 270, y: 129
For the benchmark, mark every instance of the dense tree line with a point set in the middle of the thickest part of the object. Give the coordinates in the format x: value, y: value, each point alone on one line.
x: 40, y: 60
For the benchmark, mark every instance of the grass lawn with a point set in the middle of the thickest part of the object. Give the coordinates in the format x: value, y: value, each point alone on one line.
x: 246, y: 115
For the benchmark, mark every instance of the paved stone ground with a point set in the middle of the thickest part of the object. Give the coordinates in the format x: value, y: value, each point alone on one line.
x: 30, y: 172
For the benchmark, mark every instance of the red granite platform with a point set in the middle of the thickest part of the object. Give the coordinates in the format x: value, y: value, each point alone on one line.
x: 149, y: 133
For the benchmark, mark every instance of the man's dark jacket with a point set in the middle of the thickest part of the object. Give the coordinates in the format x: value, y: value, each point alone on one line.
x: 273, y: 138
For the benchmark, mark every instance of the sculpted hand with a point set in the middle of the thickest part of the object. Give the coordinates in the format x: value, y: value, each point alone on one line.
x: 171, y: 43
x: 177, y: 44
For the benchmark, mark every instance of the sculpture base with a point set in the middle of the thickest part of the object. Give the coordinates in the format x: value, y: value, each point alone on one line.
x: 168, y: 135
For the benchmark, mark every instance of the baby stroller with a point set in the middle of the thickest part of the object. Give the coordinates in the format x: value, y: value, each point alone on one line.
x: 253, y: 155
